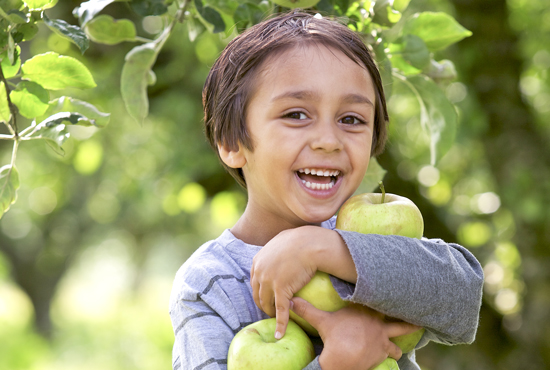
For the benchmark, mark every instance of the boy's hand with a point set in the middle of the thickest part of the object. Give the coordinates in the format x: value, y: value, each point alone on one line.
x: 289, y: 261
x: 355, y: 337
x: 281, y: 268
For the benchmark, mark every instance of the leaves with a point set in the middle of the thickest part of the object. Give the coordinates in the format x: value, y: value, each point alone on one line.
x: 210, y: 15
x: 67, y: 104
x: 149, y: 7
x: 375, y: 173
x: 30, y: 98
x: 68, y: 31
x: 54, y: 131
x: 105, y: 29
x: 5, y: 113
x: 438, y: 30
x: 40, y: 4
x: 8, y: 68
x: 135, y: 77
x: 438, y: 115
x: 9, y: 183
x: 55, y: 72
x: 86, y: 11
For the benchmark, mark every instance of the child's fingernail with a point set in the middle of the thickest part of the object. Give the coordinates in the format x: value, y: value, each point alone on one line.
x: 291, y: 305
x: 278, y: 335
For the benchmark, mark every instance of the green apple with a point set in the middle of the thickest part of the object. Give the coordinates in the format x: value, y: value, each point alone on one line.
x: 388, y: 364
x: 369, y: 213
x: 321, y: 294
x: 380, y: 213
x: 407, y: 342
x: 292, y: 4
x: 384, y: 214
x: 255, y: 348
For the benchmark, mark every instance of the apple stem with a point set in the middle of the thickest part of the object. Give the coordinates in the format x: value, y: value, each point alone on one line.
x: 383, y: 191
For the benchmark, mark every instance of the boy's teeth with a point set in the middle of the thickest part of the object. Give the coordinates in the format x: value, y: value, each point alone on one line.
x: 317, y: 186
x: 314, y: 171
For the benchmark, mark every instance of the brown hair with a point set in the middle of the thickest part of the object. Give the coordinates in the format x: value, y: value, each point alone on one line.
x: 229, y: 84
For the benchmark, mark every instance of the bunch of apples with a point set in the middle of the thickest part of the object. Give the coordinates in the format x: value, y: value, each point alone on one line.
x: 255, y: 347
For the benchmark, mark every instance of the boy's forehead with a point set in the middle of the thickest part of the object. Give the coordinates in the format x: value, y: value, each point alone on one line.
x: 303, y: 54
x: 304, y: 58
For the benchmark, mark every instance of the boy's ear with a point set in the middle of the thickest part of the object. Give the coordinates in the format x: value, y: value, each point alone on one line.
x: 231, y: 157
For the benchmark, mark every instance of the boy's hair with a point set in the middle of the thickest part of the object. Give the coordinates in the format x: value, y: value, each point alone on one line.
x: 229, y: 85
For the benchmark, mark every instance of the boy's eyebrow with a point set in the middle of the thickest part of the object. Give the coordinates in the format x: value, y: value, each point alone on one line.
x: 311, y: 95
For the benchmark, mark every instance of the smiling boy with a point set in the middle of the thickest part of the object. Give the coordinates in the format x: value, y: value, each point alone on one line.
x: 294, y: 108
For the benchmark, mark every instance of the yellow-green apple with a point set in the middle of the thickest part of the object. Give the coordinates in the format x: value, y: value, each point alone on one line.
x: 319, y: 292
x: 369, y: 213
x: 255, y: 348
x: 296, y: 3
x: 388, y: 364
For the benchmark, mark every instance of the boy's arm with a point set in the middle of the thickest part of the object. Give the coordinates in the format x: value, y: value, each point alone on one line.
x: 428, y: 283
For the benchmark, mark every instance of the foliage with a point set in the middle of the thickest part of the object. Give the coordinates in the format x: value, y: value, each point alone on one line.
x: 98, y: 233
x: 404, y: 45
x: 37, y: 77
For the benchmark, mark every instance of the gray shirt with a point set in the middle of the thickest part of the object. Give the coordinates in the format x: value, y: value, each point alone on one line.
x: 429, y: 283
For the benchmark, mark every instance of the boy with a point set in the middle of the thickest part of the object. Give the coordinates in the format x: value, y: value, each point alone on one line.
x: 294, y: 108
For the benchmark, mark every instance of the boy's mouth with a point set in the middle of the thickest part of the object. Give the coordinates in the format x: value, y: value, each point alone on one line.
x: 318, y: 179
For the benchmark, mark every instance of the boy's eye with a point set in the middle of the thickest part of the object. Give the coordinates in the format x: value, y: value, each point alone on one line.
x: 296, y: 115
x: 352, y: 120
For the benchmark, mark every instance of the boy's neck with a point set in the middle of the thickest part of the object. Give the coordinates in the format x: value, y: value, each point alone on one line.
x: 256, y: 228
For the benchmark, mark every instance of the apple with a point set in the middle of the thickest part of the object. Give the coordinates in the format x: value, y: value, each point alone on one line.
x: 255, y: 348
x: 318, y: 286
x: 407, y: 342
x: 292, y: 4
x: 388, y: 364
x: 380, y: 213
x: 369, y: 213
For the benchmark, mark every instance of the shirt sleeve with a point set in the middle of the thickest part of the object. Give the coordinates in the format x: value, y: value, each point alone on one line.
x: 202, y: 338
x: 425, y: 282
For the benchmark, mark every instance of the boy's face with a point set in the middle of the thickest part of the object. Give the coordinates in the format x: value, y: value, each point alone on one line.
x: 312, y: 112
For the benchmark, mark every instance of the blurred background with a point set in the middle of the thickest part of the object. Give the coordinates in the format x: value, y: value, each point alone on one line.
x: 89, y: 250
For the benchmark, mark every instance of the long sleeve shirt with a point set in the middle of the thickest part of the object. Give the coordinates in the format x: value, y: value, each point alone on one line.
x: 428, y: 283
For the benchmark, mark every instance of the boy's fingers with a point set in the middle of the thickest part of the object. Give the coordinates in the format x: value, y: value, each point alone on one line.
x: 308, y: 312
x: 394, y: 351
x: 282, y: 315
x: 396, y: 329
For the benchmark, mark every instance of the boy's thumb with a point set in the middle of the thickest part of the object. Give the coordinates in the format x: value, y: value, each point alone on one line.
x: 308, y: 312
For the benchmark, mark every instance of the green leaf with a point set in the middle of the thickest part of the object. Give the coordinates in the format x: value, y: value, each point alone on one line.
x: 135, y: 77
x: 86, y: 11
x: 40, y: 4
x: 375, y: 173
x: 17, y: 16
x: 247, y: 14
x: 55, y: 72
x: 68, y: 31
x: 5, y: 113
x: 211, y: 16
x: 438, y: 115
x: 67, y: 104
x: 8, y: 69
x: 441, y: 71
x: 415, y: 51
x: 53, y: 129
x: 28, y: 30
x: 105, y: 29
x: 30, y: 98
x: 194, y: 28
x: 149, y: 7
x: 401, y: 5
x: 9, y: 183
x: 438, y: 30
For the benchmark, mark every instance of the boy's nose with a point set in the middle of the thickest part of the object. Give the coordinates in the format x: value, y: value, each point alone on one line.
x: 326, y: 137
